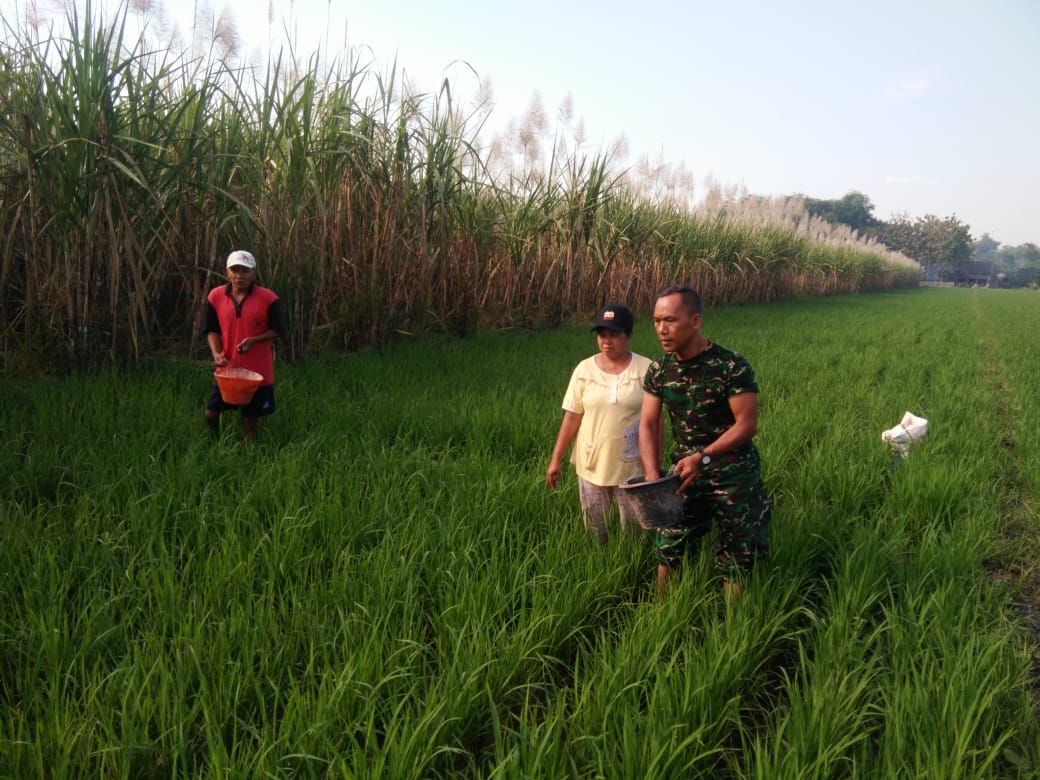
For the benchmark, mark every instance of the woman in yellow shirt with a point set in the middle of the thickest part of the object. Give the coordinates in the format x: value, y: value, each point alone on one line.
x: 601, y: 416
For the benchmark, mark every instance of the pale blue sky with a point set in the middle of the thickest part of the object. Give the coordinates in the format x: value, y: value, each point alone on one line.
x: 925, y: 106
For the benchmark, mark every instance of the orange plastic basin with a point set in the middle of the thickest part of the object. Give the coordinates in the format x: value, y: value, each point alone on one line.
x: 237, y: 385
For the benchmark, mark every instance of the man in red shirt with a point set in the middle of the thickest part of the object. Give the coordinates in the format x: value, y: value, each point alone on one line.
x: 242, y: 321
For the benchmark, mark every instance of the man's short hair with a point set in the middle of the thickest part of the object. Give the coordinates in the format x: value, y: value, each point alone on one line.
x: 691, y: 300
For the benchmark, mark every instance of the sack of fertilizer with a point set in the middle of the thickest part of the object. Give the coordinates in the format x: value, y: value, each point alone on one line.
x: 910, y: 429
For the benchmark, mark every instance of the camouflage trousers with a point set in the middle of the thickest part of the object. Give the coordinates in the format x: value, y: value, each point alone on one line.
x: 738, y: 507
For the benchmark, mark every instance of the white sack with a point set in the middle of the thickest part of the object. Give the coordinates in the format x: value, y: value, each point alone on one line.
x: 910, y: 429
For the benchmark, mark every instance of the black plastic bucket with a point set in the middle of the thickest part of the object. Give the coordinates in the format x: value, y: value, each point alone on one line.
x: 653, y: 504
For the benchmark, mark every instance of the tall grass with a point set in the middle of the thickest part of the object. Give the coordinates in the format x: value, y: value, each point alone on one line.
x: 129, y: 170
x: 383, y: 587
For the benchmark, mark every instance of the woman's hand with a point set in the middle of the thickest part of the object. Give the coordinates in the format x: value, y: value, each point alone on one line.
x: 552, y: 475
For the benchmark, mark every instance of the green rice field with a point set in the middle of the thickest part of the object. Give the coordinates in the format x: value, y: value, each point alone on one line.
x: 383, y: 587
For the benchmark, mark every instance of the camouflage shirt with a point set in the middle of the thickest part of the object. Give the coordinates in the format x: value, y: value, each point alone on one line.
x: 696, y: 393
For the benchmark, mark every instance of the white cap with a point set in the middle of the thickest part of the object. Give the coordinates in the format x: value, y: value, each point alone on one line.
x: 241, y: 257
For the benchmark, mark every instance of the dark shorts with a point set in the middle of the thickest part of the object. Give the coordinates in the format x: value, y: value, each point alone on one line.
x: 737, y: 506
x: 261, y: 405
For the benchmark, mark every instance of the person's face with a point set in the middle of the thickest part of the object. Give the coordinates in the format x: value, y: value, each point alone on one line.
x: 241, y: 277
x: 677, y: 328
x: 613, y: 344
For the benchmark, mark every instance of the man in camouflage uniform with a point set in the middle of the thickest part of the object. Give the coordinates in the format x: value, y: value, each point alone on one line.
x: 712, y: 401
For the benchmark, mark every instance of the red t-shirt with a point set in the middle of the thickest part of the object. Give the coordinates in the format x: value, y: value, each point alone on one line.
x: 239, y: 321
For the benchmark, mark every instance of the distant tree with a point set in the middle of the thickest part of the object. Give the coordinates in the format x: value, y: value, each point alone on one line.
x: 989, y: 250
x: 1026, y: 276
x: 984, y: 245
x: 1026, y: 254
x: 901, y: 234
x: 854, y: 210
x: 1019, y: 266
x: 942, y: 246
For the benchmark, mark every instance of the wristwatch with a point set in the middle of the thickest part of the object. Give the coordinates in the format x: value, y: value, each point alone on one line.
x: 704, y: 457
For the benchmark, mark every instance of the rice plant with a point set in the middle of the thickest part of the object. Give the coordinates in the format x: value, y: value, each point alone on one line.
x: 382, y: 586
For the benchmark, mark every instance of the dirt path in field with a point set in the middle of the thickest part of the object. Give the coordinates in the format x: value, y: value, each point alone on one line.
x: 1018, y: 562
x: 1019, y: 566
